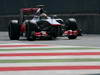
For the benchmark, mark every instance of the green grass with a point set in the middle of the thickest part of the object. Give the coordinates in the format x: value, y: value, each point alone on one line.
x: 49, y: 60
x: 47, y: 49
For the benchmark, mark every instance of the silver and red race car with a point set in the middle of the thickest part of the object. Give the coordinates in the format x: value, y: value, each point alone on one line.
x: 40, y: 25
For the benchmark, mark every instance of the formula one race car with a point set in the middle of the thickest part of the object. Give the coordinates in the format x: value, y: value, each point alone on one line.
x: 39, y: 26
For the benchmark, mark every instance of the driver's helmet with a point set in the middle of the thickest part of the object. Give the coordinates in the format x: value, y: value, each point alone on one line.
x: 43, y: 16
x: 54, y: 16
x: 72, y: 20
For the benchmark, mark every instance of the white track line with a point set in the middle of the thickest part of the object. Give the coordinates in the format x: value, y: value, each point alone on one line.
x: 52, y: 72
x: 50, y: 64
x: 46, y: 47
x: 48, y: 57
x: 46, y: 51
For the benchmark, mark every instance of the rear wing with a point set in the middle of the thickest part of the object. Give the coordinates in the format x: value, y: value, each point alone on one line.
x: 27, y: 11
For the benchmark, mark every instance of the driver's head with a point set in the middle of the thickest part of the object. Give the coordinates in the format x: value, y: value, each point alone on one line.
x: 43, y: 16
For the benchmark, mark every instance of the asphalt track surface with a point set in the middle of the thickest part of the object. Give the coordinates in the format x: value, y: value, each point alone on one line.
x: 85, y: 40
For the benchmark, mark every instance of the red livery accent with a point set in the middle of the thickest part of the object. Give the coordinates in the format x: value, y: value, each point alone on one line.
x: 38, y: 34
x: 22, y: 28
x: 70, y: 32
x: 26, y: 10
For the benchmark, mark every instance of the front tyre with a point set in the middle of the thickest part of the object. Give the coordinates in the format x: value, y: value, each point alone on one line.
x: 72, y: 36
x: 13, y: 31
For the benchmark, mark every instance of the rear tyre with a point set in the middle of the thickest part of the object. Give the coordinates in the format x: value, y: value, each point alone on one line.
x: 13, y: 31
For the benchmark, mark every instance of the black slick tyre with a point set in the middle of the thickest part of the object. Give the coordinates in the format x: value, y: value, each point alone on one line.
x: 72, y: 36
x: 14, y: 31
